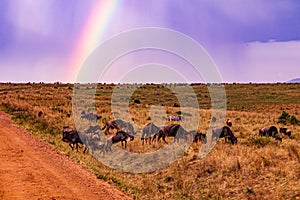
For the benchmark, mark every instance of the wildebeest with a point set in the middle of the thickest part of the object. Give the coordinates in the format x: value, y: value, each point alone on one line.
x: 224, y: 132
x: 213, y: 119
x: 40, y: 114
x: 120, y: 136
x: 270, y: 131
x: 93, y: 142
x: 148, y: 130
x: 173, y: 130
x: 118, y: 124
x: 90, y: 116
x: 285, y: 131
x: 175, y: 118
x: 198, y: 136
x: 228, y: 122
x: 94, y: 117
x: 93, y: 129
x: 72, y: 137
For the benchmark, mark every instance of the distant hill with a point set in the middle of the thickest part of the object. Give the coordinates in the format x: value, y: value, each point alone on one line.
x: 296, y: 80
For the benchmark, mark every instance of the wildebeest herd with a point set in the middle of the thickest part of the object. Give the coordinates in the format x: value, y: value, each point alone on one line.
x: 151, y: 133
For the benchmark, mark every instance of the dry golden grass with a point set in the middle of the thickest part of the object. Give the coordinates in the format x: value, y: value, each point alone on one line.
x: 255, y: 168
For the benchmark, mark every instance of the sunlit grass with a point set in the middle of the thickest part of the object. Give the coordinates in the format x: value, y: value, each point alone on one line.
x: 255, y: 168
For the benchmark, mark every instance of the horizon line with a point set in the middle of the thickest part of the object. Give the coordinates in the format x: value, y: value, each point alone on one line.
x: 149, y: 83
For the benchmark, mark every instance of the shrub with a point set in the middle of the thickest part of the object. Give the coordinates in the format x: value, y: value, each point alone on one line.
x: 294, y: 120
x: 285, y: 118
x: 137, y: 101
x: 176, y: 105
x: 250, y: 191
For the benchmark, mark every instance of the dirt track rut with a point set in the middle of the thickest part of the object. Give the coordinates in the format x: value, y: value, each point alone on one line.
x: 32, y: 169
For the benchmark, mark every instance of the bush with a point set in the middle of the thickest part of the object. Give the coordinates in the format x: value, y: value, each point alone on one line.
x: 137, y: 101
x: 176, y: 105
x: 285, y: 118
x: 294, y: 120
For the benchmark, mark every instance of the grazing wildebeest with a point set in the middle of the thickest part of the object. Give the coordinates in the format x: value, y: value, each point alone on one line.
x: 90, y: 116
x: 228, y: 122
x: 173, y: 130
x: 285, y: 131
x: 120, y: 136
x: 118, y: 124
x: 224, y: 132
x: 84, y: 114
x: 148, y: 130
x: 175, y: 118
x: 93, y: 129
x: 270, y: 131
x: 198, y: 136
x: 93, y: 142
x: 72, y: 137
x: 213, y: 119
x: 94, y: 117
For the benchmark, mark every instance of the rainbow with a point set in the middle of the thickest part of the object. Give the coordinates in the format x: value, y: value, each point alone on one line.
x: 93, y: 30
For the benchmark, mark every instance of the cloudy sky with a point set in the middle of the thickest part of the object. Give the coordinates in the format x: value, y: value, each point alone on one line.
x: 249, y: 41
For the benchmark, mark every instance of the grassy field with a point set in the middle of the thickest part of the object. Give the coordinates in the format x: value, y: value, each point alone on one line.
x: 255, y: 168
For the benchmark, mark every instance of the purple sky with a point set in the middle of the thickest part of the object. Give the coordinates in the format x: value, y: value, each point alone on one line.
x: 250, y: 41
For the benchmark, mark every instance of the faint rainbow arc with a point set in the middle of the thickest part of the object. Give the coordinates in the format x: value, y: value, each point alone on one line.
x: 93, y: 31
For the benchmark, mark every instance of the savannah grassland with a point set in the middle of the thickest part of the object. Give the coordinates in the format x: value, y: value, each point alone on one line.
x: 255, y: 168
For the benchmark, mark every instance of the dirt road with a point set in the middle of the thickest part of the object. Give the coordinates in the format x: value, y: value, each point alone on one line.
x: 31, y: 169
